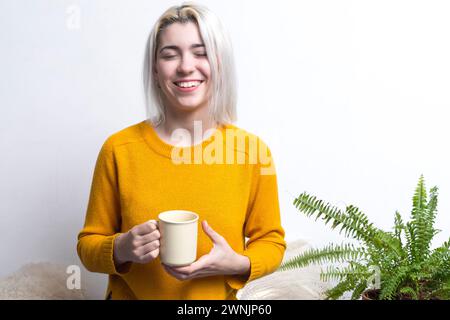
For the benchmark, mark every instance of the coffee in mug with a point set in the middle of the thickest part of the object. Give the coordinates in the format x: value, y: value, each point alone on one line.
x: 178, y: 242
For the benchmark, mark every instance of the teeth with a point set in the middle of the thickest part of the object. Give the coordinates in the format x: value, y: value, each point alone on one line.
x: 188, y: 84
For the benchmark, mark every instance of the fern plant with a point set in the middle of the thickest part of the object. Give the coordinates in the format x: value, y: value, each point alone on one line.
x: 400, y: 261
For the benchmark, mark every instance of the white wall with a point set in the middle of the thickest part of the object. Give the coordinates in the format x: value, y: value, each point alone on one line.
x: 351, y: 96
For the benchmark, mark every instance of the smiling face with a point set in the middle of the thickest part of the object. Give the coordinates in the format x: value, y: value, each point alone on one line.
x: 182, y: 69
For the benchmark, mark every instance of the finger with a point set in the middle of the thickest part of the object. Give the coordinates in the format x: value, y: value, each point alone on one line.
x: 203, y: 273
x: 154, y: 222
x: 149, y: 247
x: 213, y: 235
x: 192, y: 268
x: 145, y: 228
x: 175, y: 274
x: 187, y: 270
x: 198, y: 274
x: 155, y: 235
x: 150, y: 256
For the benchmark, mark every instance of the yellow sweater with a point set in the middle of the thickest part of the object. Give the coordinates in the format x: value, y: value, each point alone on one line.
x: 136, y: 178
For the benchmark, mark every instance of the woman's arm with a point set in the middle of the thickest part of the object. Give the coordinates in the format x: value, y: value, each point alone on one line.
x: 266, y: 245
x: 96, y: 240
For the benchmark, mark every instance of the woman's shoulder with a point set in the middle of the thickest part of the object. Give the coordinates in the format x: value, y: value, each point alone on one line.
x: 241, y: 134
x: 251, y: 147
x: 130, y: 134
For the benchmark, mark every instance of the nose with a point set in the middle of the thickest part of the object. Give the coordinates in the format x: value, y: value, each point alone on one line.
x: 187, y: 64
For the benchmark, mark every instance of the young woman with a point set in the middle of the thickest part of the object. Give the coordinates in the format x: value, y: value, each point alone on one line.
x: 187, y: 155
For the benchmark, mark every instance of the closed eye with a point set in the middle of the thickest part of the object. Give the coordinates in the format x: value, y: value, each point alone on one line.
x: 174, y: 56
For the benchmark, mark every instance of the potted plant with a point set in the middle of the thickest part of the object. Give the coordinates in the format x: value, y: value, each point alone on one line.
x: 400, y: 261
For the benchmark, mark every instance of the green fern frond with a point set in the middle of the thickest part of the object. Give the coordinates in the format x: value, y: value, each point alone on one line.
x: 432, y: 205
x: 359, y: 289
x: 421, y: 227
x: 356, y: 271
x: 409, y: 291
x: 334, y: 273
x: 419, y: 199
x: 387, y: 260
x: 357, y: 221
x: 410, y: 242
x: 331, y: 253
x: 430, y: 216
x: 441, y: 253
x: 354, y: 223
x: 419, y: 222
x: 390, y: 243
x: 342, y: 287
x: 399, y: 227
x: 442, y: 292
x: 389, y: 285
x: 439, y: 262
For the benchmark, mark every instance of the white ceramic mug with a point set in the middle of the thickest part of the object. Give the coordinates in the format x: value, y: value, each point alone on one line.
x: 178, y: 243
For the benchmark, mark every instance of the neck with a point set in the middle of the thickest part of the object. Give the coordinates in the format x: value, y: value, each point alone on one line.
x: 188, y: 120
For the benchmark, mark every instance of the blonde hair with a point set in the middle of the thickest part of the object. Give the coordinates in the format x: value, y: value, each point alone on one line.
x: 223, y: 98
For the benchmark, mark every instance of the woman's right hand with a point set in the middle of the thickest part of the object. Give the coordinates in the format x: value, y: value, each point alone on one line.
x: 139, y: 245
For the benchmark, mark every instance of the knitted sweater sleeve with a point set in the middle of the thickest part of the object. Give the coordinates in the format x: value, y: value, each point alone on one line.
x: 103, y: 217
x: 265, y: 246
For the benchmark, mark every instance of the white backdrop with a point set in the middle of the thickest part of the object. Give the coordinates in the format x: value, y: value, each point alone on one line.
x: 351, y: 96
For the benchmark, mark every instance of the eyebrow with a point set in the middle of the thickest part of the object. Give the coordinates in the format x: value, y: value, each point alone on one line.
x: 196, y: 45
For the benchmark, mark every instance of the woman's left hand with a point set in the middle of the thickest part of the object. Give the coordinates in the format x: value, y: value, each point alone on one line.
x: 221, y: 260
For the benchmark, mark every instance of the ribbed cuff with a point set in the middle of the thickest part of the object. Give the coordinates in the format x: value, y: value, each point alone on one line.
x: 256, y: 266
x: 238, y: 281
x: 108, y: 257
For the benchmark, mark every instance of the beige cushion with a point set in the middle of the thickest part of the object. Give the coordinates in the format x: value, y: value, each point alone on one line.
x: 297, y: 284
x: 39, y: 281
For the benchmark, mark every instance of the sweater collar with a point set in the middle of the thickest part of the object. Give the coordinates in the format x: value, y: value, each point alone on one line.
x: 163, y: 148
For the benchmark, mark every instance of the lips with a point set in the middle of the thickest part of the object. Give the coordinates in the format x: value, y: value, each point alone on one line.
x: 188, y: 83
x: 187, y: 86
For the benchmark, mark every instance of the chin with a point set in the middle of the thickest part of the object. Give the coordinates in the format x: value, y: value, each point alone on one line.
x: 189, y: 106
